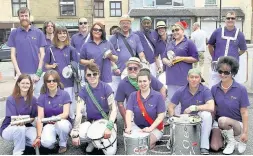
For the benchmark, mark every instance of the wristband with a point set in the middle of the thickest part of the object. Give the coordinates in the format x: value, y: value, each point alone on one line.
x: 114, y: 67
x: 193, y: 108
x: 39, y: 72
x: 38, y: 137
x: 110, y: 125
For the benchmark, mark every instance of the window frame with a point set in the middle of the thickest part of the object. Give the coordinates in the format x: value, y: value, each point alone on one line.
x: 19, y: 3
x: 67, y: 4
x: 115, y: 9
x: 102, y: 2
x: 210, y: 3
x: 155, y: 4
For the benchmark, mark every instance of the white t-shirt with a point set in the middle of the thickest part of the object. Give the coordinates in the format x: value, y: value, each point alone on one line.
x: 199, y: 38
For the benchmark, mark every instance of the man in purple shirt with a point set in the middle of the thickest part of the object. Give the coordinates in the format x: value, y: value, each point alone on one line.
x: 78, y: 39
x: 48, y: 29
x: 118, y: 40
x: 226, y: 41
x: 148, y: 39
x: 27, y: 49
x: 129, y: 84
x: 195, y: 98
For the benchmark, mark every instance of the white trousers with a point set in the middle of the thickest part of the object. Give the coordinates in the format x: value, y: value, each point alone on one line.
x: 115, y: 83
x: 83, y: 77
x: 72, y: 110
x: 206, y: 127
x: 153, y: 69
x: 50, y: 131
x: 21, y: 136
x: 171, y: 89
x: 83, y: 129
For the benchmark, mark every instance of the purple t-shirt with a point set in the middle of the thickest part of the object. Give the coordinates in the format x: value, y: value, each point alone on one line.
x: 62, y: 57
x: 123, y: 53
x: 177, y: 74
x: 101, y: 92
x: 160, y: 46
x: 229, y: 104
x: 20, y: 107
x: 125, y: 88
x: 183, y: 96
x: 27, y: 45
x: 153, y: 105
x: 220, y: 44
x: 91, y: 50
x: 53, y: 106
x: 149, y: 53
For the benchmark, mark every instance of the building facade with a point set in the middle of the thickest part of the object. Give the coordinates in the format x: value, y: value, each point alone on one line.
x: 204, y: 11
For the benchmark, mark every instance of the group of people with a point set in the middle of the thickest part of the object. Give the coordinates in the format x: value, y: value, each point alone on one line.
x: 42, y: 91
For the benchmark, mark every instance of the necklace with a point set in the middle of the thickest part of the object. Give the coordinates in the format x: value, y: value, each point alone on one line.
x: 225, y: 87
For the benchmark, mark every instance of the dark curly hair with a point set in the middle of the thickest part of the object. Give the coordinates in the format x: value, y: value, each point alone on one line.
x: 231, y: 62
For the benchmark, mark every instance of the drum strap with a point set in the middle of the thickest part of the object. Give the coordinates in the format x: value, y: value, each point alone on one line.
x: 145, y: 113
x: 94, y: 100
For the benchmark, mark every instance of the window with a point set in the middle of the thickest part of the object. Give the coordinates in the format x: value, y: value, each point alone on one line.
x: 67, y: 8
x: 99, y: 9
x: 16, y: 4
x: 178, y: 3
x: 148, y: 3
x: 116, y: 9
x: 164, y: 2
x: 210, y: 2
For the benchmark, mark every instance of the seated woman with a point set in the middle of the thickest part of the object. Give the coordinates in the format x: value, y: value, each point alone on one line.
x: 231, y: 102
x: 53, y: 101
x: 95, y: 93
x: 150, y: 105
x: 195, y: 98
x: 20, y: 103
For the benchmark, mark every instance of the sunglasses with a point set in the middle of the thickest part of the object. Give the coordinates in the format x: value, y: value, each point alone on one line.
x: 97, y: 30
x: 230, y: 18
x: 93, y: 74
x: 81, y: 23
x: 224, y: 72
x: 49, y: 81
x: 173, y: 30
x: 132, y: 68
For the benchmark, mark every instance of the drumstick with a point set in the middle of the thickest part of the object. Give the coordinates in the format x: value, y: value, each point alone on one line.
x: 178, y: 60
x: 37, y: 151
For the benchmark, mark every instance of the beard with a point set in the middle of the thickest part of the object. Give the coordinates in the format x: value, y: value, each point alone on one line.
x: 25, y: 23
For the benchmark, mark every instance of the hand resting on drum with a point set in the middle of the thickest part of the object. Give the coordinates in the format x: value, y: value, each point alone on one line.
x: 147, y: 129
x: 107, y: 133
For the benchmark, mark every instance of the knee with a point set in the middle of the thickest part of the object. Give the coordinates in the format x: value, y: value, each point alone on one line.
x: 83, y: 130
x: 222, y: 122
x: 48, y: 142
x: 19, y: 131
x: 63, y: 125
x: 215, y: 147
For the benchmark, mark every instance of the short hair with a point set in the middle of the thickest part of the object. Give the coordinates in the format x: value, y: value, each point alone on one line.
x: 144, y: 72
x: 23, y: 10
x: 103, y: 36
x: 92, y: 67
x: 231, y: 12
x: 196, y: 24
x: 231, y: 62
x: 57, y: 30
x: 56, y: 77
x: 45, y: 26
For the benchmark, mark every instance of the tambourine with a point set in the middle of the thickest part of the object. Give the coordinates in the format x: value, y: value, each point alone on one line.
x: 67, y: 72
x: 171, y: 55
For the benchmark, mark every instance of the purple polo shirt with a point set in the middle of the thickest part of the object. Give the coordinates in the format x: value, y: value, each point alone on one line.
x: 53, y: 106
x: 229, y: 104
x: 20, y: 107
x: 123, y: 53
x: 177, y: 74
x: 91, y: 50
x: 153, y: 36
x: 125, y: 88
x: 220, y: 44
x: 77, y: 41
x: 101, y: 92
x: 160, y: 45
x: 62, y: 57
x: 153, y: 105
x: 27, y: 46
x: 183, y: 96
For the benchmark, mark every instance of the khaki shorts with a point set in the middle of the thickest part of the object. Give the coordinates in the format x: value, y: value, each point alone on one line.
x: 215, y: 124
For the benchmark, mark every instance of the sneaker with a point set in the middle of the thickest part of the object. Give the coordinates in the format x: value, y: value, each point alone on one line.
x: 90, y: 147
x: 204, y: 151
x: 62, y: 150
x: 241, y: 146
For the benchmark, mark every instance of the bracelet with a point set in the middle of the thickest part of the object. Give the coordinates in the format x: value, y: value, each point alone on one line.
x: 39, y: 72
x: 110, y: 125
x: 38, y: 137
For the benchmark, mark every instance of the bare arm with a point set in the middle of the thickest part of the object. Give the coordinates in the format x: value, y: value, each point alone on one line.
x: 86, y: 62
x: 142, y: 56
x: 245, y: 120
x: 122, y: 110
x: 112, y: 108
x: 113, y: 58
x: 157, y: 121
x: 208, y: 106
x: 14, y: 60
x: 65, y: 113
x: 129, y: 119
x: 41, y: 57
x: 163, y: 91
x: 79, y: 108
x: 39, y: 124
x: 171, y: 108
x: 210, y: 49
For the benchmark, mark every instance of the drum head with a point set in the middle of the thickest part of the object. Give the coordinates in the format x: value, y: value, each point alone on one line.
x: 187, y: 119
x: 170, y: 54
x: 67, y: 72
x: 97, y: 129
x: 136, y: 134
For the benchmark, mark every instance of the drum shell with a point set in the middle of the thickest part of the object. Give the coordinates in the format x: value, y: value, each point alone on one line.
x: 136, y: 146
x: 185, y: 138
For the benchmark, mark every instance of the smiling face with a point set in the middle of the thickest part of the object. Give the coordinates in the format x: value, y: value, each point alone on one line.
x: 161, y: 31
x: 97, y: 32
x: 24, y: 85
x: 143, y: 83
x: 177, y: 32
x: 92, y: 77
x: 51, y: 83
x: 24, y: 19
x: 194, y: 80
x: 225, y: 72
x: 125, y: 26
x: 230, y: 20
x: 62, y: 36
x: 146, y: 25
x: 132, y: 70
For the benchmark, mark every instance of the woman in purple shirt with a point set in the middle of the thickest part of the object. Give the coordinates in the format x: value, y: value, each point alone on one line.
x: 153, y: 104
x: 231, y: 101
x: 53, y: 101
x: 21, y: 102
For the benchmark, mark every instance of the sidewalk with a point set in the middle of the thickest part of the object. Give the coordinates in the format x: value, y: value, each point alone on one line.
x: 6, y: 87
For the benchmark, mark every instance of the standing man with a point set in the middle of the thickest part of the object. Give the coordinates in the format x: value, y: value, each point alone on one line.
x: 199, y: 37
x: 27, y: 49
x: 127, y: 44
x: 148, y: 39
x: 48, y: 29
x: 80, y: 38
x: 227, y: 40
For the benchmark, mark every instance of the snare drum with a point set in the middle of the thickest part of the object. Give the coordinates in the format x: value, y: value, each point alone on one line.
x: 185, y: 132
x: 96, y: 134
x: 136, y: 143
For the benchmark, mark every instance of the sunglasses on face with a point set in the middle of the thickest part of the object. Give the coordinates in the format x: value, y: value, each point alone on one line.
x: 175, y: 30
x: 224, y: 72
x: 49, y: 81
x: 132, y: 68
x: 97, y: 30
x: 230, y: 18
x: 81, y: 23
x: 93, y: 74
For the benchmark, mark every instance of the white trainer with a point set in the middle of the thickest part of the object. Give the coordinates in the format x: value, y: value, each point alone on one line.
x: 90, y: 147
x: 241, y: 146
x: 231, y: 143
